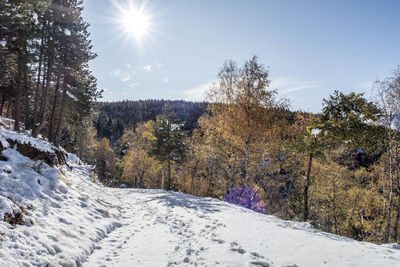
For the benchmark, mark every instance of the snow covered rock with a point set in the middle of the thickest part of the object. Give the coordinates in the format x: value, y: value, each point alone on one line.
x: 33, y: 148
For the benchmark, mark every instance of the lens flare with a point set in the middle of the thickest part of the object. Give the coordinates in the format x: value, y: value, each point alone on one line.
x: 134, y: 21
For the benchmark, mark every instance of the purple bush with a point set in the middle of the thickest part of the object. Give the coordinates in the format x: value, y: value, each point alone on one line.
x: 246, y: 197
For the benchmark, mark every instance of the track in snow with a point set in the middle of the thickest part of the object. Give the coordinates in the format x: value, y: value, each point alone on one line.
x: 163, y: 229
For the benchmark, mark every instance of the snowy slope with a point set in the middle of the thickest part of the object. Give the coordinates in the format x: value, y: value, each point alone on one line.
x: 72, y: 221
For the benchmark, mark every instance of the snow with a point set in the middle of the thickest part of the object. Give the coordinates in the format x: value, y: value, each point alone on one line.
x: 8, y: 123
x: 70, y: 220
x: 315, y: 131
x: 173, y: 229
x: 174, y: 127
x: 4, y: 142
x: 41, y: 145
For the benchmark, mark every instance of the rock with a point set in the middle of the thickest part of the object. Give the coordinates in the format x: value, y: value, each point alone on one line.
x: 52, y: 158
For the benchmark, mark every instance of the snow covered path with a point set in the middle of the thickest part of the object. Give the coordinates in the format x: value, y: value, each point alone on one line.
x: 173, y: 229
x: 161, y: 228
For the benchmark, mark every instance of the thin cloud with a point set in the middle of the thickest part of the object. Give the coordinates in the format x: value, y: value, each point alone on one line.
x: 165, y: 80
x: 115, y: 73
x: 147, y: 68
x: 287, y: 85
x: 126, y: 78
x: 197, y: 93
x: 131, y: 85
x: 122, y: 75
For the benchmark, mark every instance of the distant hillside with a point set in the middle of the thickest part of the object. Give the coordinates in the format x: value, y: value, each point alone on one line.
x: 114, y: 117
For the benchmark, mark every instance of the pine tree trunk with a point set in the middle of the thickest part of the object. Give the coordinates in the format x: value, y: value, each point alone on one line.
x: 17, y: 111
x: 53, y: 110
x: 42, y: 91
x: 60, y: 126
x: 26, y: 95
x: 37, y: 89
x: 305, y: 194
x: 42, y: 118
x: 3, y: 100
x: 17, y: 102
x: 45, y: 100
x: 162, y: 180
x: 8, y: 109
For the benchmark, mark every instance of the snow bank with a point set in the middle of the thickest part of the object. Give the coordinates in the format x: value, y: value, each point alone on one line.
x: 34, y: 148
x: 64, y: 212
x: 6, y: 123
x: 19, y: 138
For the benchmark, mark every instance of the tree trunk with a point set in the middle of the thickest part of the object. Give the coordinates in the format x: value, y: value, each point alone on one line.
x: 60, y: 126
x: 53, y: 110
x: 8, y: 109
x: 17, y: 105
x: 3, y: 100
x: 194, y: 172
x: 37, y: 89
x: 349, y: 225
x: 45, y: 96
x: 162, y: 180
x: 169, y: 174
x: 45, y: 100
x: 26, y: 95
x: 389, y: 215
x: 42, y: 90
x: 247, y: 149
x: 17, y: 111
x: 396, y: 222
x: 305, y: 194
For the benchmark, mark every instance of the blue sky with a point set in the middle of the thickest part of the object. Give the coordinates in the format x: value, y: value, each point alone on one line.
x: 310, y: 47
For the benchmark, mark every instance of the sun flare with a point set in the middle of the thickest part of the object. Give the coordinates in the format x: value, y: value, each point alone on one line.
x: 134, y: 21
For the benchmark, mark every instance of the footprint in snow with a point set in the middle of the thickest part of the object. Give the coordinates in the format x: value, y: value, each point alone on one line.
x: 238, y: 250
x: 219, y: 241
x: 255, y: 254
x: 259, y: 263
x: 235, y: 247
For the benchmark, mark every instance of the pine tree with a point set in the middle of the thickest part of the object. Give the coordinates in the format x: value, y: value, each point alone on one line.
x: 166, y: 144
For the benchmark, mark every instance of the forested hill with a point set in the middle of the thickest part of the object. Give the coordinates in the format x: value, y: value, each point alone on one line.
x: 114, y: 117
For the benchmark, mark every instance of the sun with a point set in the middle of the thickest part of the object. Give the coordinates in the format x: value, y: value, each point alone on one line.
x: 134, y: 21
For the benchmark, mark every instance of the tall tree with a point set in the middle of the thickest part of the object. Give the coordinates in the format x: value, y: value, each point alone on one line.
x: 242, y: 110
x: 388, y: 100
x: 166, y: 144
